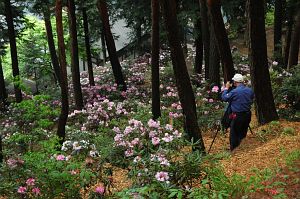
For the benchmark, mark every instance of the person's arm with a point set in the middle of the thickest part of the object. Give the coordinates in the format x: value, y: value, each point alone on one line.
x: 227, y: 94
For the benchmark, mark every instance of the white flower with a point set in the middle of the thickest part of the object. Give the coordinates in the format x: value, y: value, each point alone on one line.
x: 137, y: 159
x: 94, y: 153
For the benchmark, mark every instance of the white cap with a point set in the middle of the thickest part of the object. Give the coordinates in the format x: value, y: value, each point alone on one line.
x: 238, y: 78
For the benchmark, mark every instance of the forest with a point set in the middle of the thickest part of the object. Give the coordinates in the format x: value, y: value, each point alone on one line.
x: 150, y: 99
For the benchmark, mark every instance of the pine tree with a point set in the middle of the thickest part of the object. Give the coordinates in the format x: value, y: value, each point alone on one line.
x: 260, y: 77
x: 13, y: 49
x: 185, y: 91
x: 61, y: 128
x: 155, y: 60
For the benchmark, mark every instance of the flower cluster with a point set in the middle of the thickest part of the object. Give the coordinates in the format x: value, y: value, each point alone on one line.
x: 76, y: 146
x: 14, y: 162
x: 148, y: 145
x: 29, y: 188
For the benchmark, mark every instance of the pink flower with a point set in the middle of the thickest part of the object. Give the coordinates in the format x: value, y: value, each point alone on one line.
x: 162, y: 176
x: 154, y: 124
x: 210, y: 100
x: 11, y: 163
x: 152, y: 134
x: 215, y: 89
x: 129, y: 152
x: 135, y: 141
x: 99, y: 190
x: 167, y: 138
x: 36, y: 191
x: 155, y: 140
x: 60, y: 157
x: 22, y: 190
x: 30, y: 181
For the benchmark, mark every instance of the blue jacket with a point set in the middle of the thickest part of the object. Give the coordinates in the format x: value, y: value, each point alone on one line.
x: 240, y: 98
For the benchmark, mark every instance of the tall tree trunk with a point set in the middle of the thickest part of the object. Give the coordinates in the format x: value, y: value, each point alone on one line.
x: 139, y: 37
x: 3, y: 94
x: 295, y: 42
x: 51, y: 44
x: 260, y: 76
x: 205, y: 34
x: 103, y: 45
x: 75, y: 56
x: 155, y: 60
x: 214, y: 7
x: 185, y: 91
x: 199, y: 47
x: 1, y: 150
x: 61, y: 128
x: 214, y: 59
x: 246, y: 33
x: 111, y: 47
x: 290, y: 23
x: 13, y: 50
x: 181, y: 32
x: 88, y: 47
x: 278, y: 18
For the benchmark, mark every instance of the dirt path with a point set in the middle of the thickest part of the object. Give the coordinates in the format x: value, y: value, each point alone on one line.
x: 255, y: 153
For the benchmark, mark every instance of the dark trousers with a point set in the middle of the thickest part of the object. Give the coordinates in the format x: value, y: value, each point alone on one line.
x: 238, y: 128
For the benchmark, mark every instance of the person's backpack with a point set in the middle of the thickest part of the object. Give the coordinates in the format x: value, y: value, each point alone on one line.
x: 225, y: 120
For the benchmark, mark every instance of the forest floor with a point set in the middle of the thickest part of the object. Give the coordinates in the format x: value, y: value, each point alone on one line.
x: 257, y: 152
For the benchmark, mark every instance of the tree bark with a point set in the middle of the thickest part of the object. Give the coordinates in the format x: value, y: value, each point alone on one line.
x: 246, y: 33
x: 13, y: 50
x: 205, y: 35
x: 185, y: 91
x: 111, y: 47
x: 214, y: 59
x: 3, y: 94
x: 260, y: 76
x: 1, y: 150
x: 278, y: 18
x: 155, y: 60
x: 295, y: 42
x: 103, y: 45
x: 88, y: 47
x: 288, y: 36
x: 139, y: 36
x: 61, y: 129
x: 75, y: 56
x: 199, y: 47
x: 214, y: 7
x: 51, y: 44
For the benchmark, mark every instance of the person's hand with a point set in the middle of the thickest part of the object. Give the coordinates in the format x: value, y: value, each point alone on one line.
x: 228, y: 85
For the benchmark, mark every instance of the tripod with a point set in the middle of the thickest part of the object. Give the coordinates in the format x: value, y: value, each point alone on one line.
x: 217, y: 131
x: 218, y: 123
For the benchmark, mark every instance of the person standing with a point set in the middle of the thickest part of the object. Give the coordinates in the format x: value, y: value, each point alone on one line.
x: 240, y: 100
